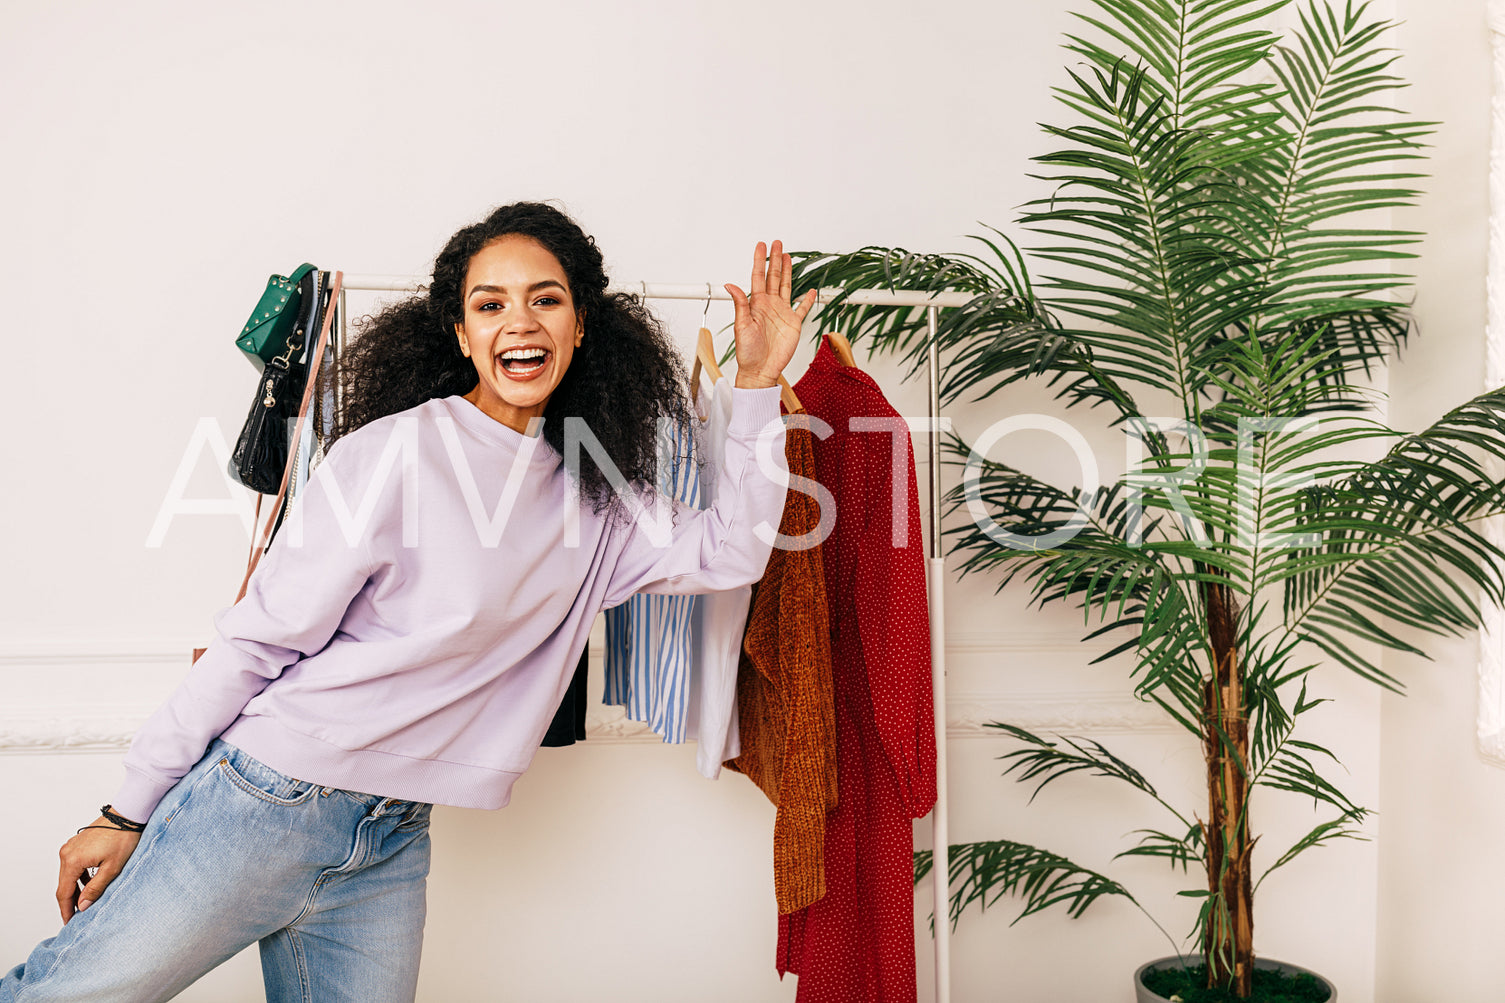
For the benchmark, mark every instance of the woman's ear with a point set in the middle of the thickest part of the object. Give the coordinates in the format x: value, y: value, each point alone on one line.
x: 579, y: 327
x: 465, y: 345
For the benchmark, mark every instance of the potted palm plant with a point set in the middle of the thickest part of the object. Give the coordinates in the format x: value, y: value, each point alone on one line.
x: 1215, y: 255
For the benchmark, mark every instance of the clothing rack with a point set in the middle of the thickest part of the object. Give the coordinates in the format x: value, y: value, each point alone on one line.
x: 935, y: 562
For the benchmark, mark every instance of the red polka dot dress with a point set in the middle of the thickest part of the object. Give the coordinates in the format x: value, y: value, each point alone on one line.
x: 857, y: 942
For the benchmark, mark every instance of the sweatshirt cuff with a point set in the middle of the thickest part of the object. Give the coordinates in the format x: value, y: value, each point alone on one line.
x: 137, y: 797
x: 752, y: 410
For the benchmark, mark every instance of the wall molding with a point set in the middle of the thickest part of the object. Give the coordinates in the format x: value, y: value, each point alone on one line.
x: 36, y: 652
x: 52, y: 724
x: 156, y: 650
x: 1063, y: 712
x: 1491, y: 716
x: 44, y: 731
x: 1022, y: 642
x: 53, y: 730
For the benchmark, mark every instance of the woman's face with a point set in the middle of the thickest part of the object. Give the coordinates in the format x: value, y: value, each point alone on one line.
x: 520, y: 328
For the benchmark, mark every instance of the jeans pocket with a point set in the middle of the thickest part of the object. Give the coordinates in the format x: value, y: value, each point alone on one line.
x: 261, y: 781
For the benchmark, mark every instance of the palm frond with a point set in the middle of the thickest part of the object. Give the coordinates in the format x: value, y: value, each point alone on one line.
x: 1046, y: 761
x: 1145, y: 217
x: 1337, y: 156
x: 984, y: 872
x: 1195, y: 51
x: 1003, y: 300
x: 1293, y: 771
x: 1345, y: 826
x: 1002, y: 336
x: 1401, y: 539
x: 1179, y: 851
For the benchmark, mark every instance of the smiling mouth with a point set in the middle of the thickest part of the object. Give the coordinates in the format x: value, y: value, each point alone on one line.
x: 524, y: 362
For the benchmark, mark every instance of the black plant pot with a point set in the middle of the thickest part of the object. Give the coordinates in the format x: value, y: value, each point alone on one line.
x: 1143, y: 995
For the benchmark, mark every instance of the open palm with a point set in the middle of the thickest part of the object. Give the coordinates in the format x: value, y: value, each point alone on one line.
x: 767, y: 324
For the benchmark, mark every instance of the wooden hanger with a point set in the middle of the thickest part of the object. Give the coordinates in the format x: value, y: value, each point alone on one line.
x: 705, y: 357
x: 843, y: 349
x: 786, y: 394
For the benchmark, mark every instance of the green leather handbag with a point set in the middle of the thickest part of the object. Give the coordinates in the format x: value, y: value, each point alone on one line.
x: 272, y: 322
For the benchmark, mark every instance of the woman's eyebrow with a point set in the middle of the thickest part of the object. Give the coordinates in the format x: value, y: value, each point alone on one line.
x: 546, y: 283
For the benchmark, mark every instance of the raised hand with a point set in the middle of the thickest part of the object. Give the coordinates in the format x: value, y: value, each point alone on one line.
x: 767, y: 324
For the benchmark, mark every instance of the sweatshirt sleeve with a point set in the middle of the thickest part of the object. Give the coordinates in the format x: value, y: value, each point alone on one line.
x: 727, y: 545
x: 294, y: 602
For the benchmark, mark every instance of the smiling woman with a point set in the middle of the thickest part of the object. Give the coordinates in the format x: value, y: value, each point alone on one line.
x: 362, y: 680
x: 521, y: 328
x: 620, y: 377
x: 620, y: 373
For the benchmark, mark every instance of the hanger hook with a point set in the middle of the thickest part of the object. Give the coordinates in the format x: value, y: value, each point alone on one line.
x: 705, y: 316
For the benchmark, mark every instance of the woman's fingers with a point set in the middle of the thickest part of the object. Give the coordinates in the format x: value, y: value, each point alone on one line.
x: 108, y: 871
x: 773, y: 271
x: 739, y: 304
x: 806, y: 304
x: 67, y: 886
x: 759, y: 281
x: 100, y: 846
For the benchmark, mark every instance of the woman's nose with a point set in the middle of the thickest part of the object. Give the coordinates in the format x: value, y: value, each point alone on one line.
x: 521, y: 318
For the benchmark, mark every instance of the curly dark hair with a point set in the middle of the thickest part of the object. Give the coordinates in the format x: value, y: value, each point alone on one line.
x: 624, y: 376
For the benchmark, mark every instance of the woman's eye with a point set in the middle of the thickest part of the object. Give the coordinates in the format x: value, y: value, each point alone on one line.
x: 488, y: 306
x: 547, y: 301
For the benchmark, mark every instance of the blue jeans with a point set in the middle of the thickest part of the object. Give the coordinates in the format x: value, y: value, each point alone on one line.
x: 329, y: 882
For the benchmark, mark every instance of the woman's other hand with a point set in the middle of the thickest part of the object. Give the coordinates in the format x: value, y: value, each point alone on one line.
x: 101, y: 847
x: 767, y: 325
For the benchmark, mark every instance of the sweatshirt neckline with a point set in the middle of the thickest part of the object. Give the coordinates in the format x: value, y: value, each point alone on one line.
x: 487, y: 427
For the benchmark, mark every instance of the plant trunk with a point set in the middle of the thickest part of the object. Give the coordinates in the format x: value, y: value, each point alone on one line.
x: 1229, y: 934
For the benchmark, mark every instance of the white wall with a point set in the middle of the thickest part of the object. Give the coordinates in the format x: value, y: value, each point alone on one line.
x: 162, y: 158
x: 1441, y: 869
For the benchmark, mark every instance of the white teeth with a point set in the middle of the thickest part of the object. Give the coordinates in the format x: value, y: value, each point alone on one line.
x: 523, y: 353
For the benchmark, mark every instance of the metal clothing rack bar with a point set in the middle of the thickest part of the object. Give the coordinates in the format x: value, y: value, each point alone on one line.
x: 935, y: 563
x: 691, y: 291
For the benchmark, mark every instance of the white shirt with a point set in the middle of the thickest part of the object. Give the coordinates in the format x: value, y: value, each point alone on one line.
x: 720, y: 618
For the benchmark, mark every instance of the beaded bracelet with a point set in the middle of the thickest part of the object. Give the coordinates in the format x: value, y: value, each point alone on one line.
x: 122, y: 821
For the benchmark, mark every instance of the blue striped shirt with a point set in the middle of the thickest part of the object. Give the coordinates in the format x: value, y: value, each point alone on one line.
x: 648, y: 637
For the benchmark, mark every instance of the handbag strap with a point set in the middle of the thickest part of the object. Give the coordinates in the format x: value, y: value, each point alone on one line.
x: 316, y: 362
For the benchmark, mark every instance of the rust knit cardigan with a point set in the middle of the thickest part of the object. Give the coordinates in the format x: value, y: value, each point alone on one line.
x: 786, y: 711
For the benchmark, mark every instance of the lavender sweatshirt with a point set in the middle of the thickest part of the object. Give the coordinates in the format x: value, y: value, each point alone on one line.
x: 415, y: 623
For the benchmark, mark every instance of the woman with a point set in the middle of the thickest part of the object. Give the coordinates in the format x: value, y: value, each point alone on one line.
x: 410, y: 632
